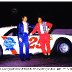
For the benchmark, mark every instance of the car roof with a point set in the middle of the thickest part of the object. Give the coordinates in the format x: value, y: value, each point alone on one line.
x: 62, y: 31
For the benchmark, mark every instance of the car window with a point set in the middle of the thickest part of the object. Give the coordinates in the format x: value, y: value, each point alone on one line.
x: 12, y: 32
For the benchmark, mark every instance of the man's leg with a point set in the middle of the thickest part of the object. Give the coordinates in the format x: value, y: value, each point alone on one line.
x: 48, y: 45
x: 27, y: 49
x: 42, y: 43
x: 21, y: 50
x: 26, y: 46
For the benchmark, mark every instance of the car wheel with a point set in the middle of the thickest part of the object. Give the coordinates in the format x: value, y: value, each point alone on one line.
x: 62, y: 47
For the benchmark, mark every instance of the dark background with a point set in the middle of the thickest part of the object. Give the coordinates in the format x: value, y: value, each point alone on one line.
x: 58, y: 13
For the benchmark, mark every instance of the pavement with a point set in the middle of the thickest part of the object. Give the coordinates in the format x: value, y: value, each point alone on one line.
x: 38, y: 60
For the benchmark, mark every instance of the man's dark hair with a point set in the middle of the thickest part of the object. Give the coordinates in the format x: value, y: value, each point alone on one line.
x: 43, y: 18
x: 40, y: 17
x: 24, y: 16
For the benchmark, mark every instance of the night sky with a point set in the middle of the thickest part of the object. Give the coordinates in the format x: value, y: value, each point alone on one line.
x: 58, y: 13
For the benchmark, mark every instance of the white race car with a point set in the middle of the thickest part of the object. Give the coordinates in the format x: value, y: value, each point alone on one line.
x: 60, y: 41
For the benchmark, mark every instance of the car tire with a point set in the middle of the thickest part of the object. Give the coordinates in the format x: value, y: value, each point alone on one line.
x: 62, y: 47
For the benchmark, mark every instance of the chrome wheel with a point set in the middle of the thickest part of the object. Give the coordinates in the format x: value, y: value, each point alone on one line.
x: 64, y: 48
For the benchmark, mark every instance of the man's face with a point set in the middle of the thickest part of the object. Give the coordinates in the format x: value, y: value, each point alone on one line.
x: 24, y: 19
x: 39, y: 20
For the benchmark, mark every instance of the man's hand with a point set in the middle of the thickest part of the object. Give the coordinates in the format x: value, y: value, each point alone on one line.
x: 48, y: 30
x: 30, y: 33
x: 20, y: 39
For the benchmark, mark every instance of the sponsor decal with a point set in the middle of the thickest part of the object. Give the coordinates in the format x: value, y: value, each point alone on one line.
x: 33, y: 43
x: 9, y: 44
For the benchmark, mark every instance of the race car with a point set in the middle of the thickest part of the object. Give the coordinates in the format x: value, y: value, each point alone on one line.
x: 60, y: 41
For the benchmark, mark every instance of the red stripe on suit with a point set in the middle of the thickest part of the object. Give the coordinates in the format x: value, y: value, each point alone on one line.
x: 44, y: 38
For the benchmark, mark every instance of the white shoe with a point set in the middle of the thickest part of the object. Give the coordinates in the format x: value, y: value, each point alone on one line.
x: 45, y: 54
x: 48, y: 54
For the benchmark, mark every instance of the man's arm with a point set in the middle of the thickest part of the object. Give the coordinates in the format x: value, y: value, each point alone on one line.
x: 49, y: 26
x: 19, y: 32
x: 19, y: 29
x: 34, y: 30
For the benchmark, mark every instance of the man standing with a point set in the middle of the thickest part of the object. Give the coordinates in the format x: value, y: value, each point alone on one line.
x: 23, y: 38
x: 43, y: 29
